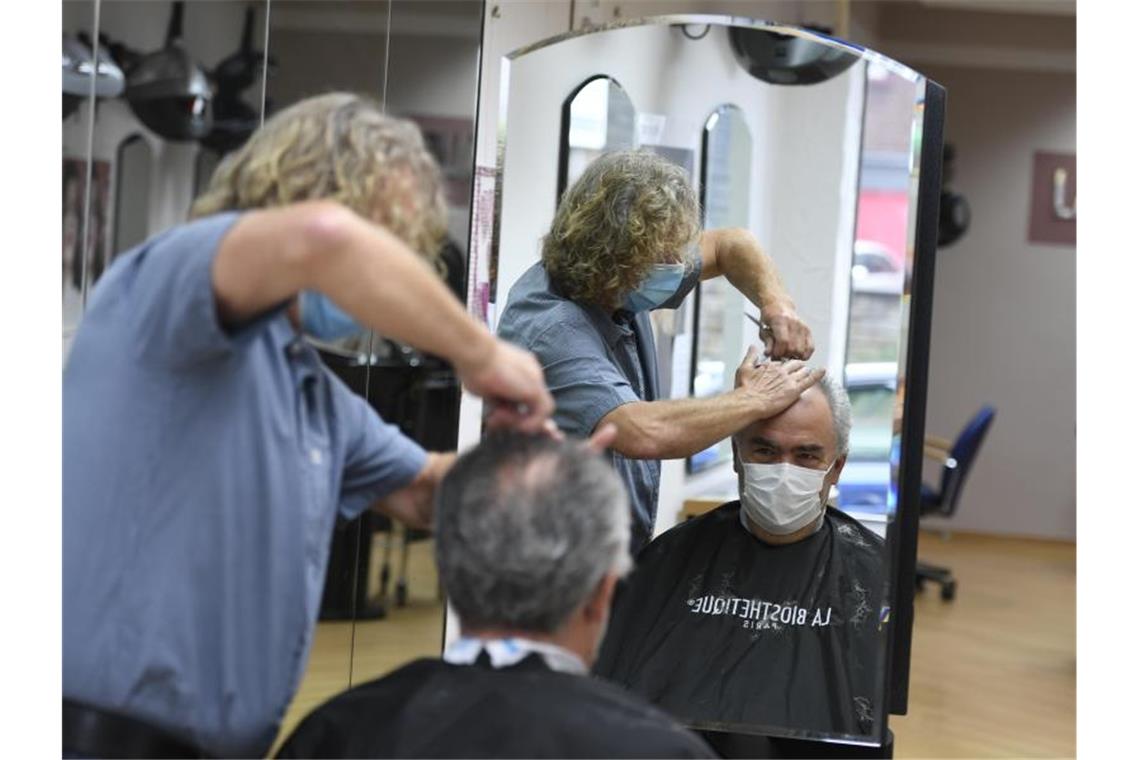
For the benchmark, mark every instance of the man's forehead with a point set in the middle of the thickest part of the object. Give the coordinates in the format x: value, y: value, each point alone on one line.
x: 807, y: 420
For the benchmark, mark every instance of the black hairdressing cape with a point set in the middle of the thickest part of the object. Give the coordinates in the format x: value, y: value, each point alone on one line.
x: 727, y: 632
x: 431, y: 708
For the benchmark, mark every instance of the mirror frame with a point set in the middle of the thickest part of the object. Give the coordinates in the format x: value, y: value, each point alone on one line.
x: 917, y: 297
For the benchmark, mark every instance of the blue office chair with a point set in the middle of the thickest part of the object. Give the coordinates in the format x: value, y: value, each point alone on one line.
x: 957, y: 459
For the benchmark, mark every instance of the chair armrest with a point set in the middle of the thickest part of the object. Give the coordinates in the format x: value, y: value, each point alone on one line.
x: 936, y: 448
x: 937, y: 454
x: 938, y: 442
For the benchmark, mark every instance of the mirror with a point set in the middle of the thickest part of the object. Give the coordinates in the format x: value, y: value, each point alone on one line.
x: 597, y: 118
x: 798, y: 136
x: 79, y: 73
x: 135, y: 162
x: 314, y: 48
x: 726, y: 163
x: 431, y: 76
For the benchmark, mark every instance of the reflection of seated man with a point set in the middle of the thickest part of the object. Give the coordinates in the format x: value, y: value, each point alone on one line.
x: 765, y: 611
x: 532, y: 536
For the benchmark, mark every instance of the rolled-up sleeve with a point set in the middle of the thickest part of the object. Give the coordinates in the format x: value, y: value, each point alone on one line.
x: 171, y: 296
x: 582, y: 377
x: 380, y: 460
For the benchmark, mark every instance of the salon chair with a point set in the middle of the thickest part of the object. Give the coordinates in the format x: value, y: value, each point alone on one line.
x: 420, y: 395
x: 957, y: 458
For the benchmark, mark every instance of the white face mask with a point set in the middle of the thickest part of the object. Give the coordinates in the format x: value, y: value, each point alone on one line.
x: 781, y: 498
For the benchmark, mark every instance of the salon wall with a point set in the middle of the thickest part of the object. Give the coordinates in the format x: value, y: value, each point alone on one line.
x: 1003, y: 329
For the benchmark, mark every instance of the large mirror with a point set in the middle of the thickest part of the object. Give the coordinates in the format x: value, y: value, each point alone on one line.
x: 812, y: 147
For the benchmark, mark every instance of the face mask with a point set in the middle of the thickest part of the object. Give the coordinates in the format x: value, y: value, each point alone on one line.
x: 324, y: 320
x: 782, y: 498
x: 657, y: 287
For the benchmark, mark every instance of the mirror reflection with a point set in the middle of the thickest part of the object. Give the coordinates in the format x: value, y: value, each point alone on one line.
x: 760, y: 600
x: 598, y: 118
x: 80, y: 77
x: 317, y: 48
x: 726, y: 162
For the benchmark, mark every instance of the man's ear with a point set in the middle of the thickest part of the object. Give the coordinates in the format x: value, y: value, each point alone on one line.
x: 837, y: 469
x: 598, y: 605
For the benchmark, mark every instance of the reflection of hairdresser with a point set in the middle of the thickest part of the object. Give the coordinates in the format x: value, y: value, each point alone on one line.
x: 532, y: 535
x: 765, y: 611
x: 206, y: 449
x: 625, y: 240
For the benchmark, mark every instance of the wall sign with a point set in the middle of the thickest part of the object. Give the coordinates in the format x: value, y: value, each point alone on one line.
x: 1053, y: 205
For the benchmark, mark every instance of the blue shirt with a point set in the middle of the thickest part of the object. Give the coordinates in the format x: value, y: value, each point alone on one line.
x: 203, y: 470
x: 594, y: 362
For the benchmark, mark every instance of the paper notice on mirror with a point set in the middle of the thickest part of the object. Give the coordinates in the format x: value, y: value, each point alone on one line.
x: 479, y: 264
x: 650, y: 128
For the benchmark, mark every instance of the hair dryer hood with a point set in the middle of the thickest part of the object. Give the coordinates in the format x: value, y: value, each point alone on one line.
x: 78, y: 63
x: 784, y: 59
x: 171, y: 94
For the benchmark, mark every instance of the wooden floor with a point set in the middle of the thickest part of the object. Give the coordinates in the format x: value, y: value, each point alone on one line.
x: 993, y: 673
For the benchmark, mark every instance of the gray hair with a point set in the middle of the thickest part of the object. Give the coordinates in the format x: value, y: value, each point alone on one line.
x: 840, y: 405
x: 526, y: 528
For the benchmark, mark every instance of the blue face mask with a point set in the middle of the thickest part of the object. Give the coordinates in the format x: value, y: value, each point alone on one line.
x: 658, y: 287
x: 324, y: 320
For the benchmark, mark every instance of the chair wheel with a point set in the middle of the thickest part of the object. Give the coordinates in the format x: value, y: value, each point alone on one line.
x: 401, y: 593
x: 949, y: 591
x: 919, y: 584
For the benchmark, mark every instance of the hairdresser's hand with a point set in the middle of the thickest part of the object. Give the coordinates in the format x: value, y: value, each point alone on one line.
x: 786, y: 336
x: 511, y: 383
x: 414, y: 504
x: 774, y: 386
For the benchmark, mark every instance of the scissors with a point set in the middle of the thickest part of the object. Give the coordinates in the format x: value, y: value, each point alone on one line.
x: 765, y: 329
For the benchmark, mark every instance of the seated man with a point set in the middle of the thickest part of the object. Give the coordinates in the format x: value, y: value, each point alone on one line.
x: 767, y: 611
x: 531, y: 537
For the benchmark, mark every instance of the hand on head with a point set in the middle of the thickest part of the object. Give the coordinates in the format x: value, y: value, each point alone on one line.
x: 510, y: 380
x: 775, y: 384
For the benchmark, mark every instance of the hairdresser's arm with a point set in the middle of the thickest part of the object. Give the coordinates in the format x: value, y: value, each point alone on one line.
x: 677, y: 428
x: 271, y: 255
x: 736, y: 254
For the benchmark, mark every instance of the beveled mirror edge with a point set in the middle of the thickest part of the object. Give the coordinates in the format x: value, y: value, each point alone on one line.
x: 688, y: 19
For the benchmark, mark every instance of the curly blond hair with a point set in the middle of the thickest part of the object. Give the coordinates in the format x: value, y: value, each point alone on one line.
x: 338, y: 146
x: 628, y: 211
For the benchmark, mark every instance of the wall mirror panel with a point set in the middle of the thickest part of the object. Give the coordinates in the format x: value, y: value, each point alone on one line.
x: 726, y: 181
x: 79, y: 84
x: 814, y: 147
x: 430, y: 79
x: 315, y: 48
x: 163, y: 70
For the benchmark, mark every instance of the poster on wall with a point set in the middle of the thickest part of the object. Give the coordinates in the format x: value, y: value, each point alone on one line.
x: 98, y: 230
x: 1053, y: 202
x: 479, y: 265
